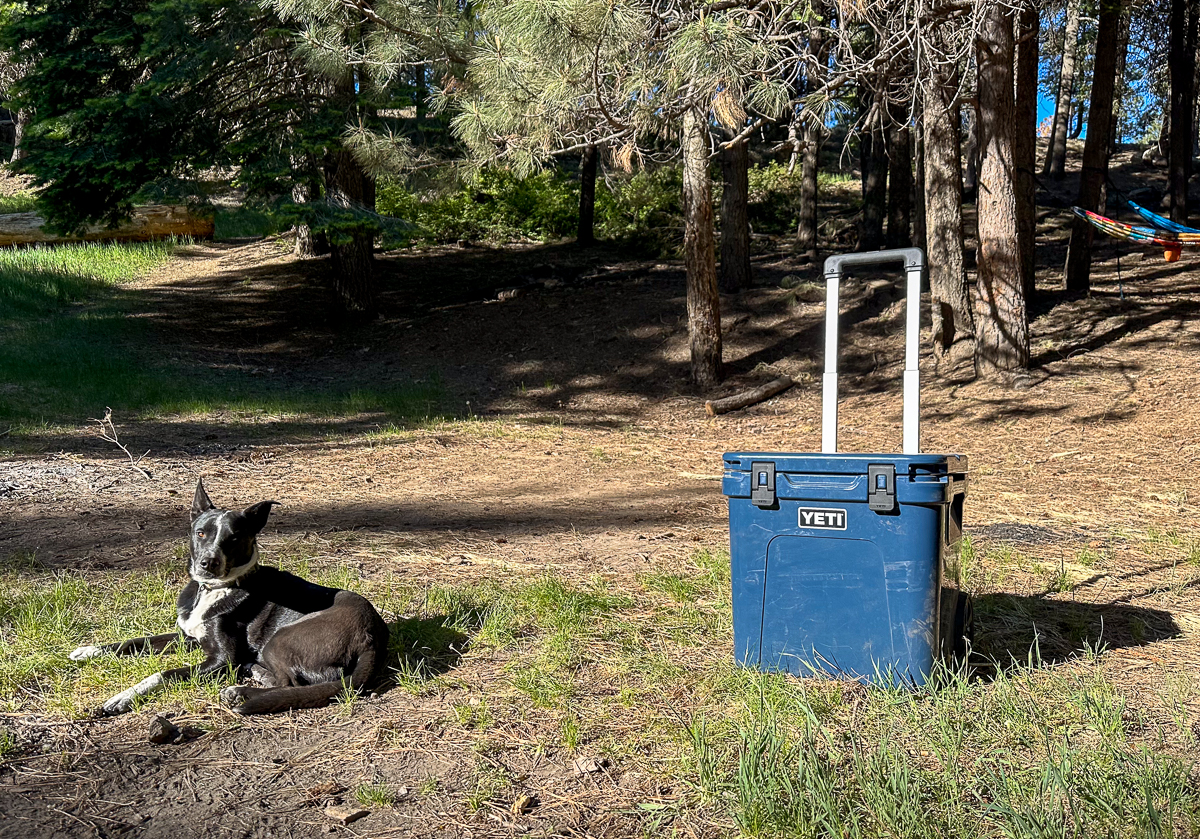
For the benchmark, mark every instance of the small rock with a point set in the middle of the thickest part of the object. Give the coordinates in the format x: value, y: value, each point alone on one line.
x: 523, y: 803
x: 589, y: 765
x: 163, y: 731
x: 509, y: 293
x: 325, y: 790
x: 343, y: 814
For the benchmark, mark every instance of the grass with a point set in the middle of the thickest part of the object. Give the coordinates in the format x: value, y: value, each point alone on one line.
x: 20, y: 202
x: 643, y: 676
x: 74, y: 341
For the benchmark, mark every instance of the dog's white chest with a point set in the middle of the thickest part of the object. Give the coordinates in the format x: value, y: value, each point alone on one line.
x: 194, y: 626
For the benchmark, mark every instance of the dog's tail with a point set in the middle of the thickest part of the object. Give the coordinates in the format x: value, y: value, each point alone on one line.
x: 366, y: 670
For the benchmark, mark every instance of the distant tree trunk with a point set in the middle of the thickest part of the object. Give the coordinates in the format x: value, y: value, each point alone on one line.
x: 943, y: 209
x: 1077, y: 131
x: 794, y: 141
x: 971, y: 152
x: 1001, y: 321
x: 1119, y: 95
x: 20, y: 121
x: 699, y: 255
x: 1025, y: 141
x: 918, y: 215
x: 806, y: 233
x: 1095, y: 149
x: 587, y: 196
x: 1056, y: 150
x: 814, y: 137
x: 900, y: 184
x: 348, y: 187
x: 735, y: 225
x: 874, y: 195
x: 1181, y: 61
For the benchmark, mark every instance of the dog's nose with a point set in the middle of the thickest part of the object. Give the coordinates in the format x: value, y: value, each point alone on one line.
x: 206, y: 563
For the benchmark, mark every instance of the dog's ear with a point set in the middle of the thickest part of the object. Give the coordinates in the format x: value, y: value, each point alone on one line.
x: 200, y: 501
x: 256, y: 515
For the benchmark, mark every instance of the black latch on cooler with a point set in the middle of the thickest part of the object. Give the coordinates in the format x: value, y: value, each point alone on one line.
x: 762, y: 484
x: 881, y: 487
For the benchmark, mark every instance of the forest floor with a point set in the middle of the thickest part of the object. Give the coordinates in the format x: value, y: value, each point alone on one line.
x: 565, y: 451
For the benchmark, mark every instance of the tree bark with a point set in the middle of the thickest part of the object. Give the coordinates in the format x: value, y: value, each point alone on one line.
x: 874, y: 193
x: 1001, y: 321
x: 1025, y: 142
x: 1095, y: 149
x: 699, y: 255
x: 900, y: 185
x: 20, y: 122
x: 735, y: 223
x: 806, y: 232
x: 348, y: 187
x: 971, y: 152
x: 943, y: 209
x: 814, y: 137
x: 918, y: 217
x: 1181, y: 61
x: 1056, y: 150
x: 587, y: 196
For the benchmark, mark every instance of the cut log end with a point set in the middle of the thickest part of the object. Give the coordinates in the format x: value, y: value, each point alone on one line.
x: 748, y: 397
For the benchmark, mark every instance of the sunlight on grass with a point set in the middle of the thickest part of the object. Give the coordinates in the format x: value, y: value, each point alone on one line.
x: 70, y: 347
x: 645, y: 678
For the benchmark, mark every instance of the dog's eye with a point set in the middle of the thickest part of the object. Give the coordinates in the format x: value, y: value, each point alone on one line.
x: 199, y: 534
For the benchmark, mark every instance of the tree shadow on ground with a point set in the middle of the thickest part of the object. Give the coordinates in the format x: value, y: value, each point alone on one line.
x: 1014, y: 630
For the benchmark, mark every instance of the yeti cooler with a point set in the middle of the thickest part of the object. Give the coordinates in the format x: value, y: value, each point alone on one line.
x: 843, y: 564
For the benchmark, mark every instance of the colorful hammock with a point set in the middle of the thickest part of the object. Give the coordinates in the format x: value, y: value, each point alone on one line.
x: 1161, y: 222
x: 1171, y: 243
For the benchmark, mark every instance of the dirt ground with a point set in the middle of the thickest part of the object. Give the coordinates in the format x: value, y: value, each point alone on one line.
x: 587, y: 453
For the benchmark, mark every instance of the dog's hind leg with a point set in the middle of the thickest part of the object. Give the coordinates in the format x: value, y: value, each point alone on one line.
x: 135, y: 646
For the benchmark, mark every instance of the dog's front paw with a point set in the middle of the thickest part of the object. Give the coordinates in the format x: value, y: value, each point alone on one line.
x: 84, y: 653
x: 120, y: 704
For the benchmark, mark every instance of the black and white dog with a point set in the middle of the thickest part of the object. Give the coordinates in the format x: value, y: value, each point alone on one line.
x: 303, y: 642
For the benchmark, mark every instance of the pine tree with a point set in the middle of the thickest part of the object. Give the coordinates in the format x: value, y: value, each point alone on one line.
x: 547, y: 78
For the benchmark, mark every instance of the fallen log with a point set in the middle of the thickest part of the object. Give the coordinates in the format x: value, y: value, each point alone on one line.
x: 153, y: 221
x: 748, y: 397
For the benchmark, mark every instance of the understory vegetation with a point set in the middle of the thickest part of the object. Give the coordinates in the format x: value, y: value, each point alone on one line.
x: 1013, y: 747
x: 75, y: 338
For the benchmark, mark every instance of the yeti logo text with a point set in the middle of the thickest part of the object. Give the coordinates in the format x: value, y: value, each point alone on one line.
x: 822, y: 518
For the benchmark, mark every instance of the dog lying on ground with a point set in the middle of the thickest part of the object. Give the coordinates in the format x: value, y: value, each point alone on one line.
x: 303, y: 642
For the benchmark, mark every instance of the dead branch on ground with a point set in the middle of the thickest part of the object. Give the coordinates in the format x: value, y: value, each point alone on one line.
x: 108, y: 432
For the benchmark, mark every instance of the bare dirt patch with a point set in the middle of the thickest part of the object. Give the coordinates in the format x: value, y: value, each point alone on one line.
x: 575, y: 444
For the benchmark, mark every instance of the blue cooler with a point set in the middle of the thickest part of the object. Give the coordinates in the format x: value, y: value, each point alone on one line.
x: 844, y: 564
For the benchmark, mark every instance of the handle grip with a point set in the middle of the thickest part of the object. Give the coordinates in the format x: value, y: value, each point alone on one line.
x: 914, y: 262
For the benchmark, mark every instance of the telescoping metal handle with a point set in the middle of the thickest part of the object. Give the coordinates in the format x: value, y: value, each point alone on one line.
x: 914, y: 263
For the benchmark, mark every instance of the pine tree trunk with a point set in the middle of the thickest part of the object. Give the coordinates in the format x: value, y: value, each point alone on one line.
x: 874, y: 194
x: 1001, y: 321
x: 806, y: 232
x: 1056, y: 151
x: 900, y: 185
x: 347, y: 186
x: 814, y: 138
x: 735, y: 224
x: 943, y: 210
x: 699, y: 255
x: 587, y: 197
x: 971, y: 152
x: 1119, y: 95
x: 20, y: 121
x: 1095, y: 149
x: 1025, y: 142
x: 918, y: 216
x: 1181, y: 61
